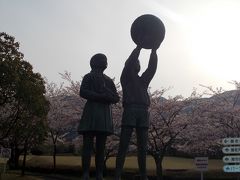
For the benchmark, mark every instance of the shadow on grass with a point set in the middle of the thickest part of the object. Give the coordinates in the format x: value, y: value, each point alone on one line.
x: 62, y: 173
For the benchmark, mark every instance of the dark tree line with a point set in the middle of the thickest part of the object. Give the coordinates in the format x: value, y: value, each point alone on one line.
x: 23, y: 106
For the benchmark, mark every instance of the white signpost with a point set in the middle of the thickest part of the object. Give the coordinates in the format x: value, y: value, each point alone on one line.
x: 231, y: 141
x: 231, y: 150
x: 232, y: 155
x: 5, y: 153
x: 231, y: 159
x: 201, y: 164
x: 231, y: 168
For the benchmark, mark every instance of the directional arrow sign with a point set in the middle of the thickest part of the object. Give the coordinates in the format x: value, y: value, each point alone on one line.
x: 231, y: 159
x: 231, y: 168
x: 231, y: 150
x: 231, y: 141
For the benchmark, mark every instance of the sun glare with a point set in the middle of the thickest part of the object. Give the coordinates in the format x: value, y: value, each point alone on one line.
x: 214, y: 40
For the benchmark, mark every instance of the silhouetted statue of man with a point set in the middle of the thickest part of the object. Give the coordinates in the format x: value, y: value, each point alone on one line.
x: 96, y: 121
x: 135, y: 103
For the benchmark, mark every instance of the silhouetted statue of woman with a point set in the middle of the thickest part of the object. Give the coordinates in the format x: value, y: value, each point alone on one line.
x: 96, y: 120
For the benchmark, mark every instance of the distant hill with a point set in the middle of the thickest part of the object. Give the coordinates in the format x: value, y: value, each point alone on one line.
x: 233, y: 95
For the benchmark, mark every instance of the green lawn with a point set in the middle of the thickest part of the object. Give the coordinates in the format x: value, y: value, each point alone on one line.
x: 169, y: 163
x: 172, y: 166
x: 11, y: 176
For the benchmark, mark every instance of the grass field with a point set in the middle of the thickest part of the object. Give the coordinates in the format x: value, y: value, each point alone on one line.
x: 18, y: 177
x: 169, y: 163
x: 173, y: 166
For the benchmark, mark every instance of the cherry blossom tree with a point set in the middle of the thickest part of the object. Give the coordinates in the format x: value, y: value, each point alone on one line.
x: 61, y: 115
x: 169, y: 120
x: 225, y: 112
x: 215, y: 117
x: 56, y: 118
x: 218, y: 118
x: 201, y: 138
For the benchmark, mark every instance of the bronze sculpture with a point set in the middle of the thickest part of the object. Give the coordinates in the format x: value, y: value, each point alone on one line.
x: 147, y: 32
x: 96, y: 120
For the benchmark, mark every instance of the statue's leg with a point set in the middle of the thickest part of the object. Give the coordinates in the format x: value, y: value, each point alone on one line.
x: 126, y: 133
x: 86, y: 154
x: 142, y: 137
x: 99, y: 159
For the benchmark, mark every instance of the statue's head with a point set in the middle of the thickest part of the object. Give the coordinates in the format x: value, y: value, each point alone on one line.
x: 98, y: 61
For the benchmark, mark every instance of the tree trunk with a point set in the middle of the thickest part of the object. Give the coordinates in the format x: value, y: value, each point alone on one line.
x: 54, y: 155
x: 13, y: 161
x: 159, y: 169
x: 24, y: 159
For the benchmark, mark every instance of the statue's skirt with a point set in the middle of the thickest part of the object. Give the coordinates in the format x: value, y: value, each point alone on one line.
x: 96, y: 118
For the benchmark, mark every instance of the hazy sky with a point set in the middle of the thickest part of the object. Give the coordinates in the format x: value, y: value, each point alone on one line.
x: 201, y: 44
